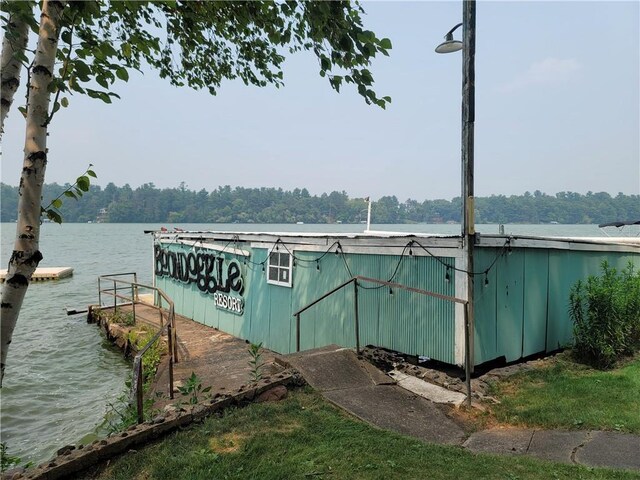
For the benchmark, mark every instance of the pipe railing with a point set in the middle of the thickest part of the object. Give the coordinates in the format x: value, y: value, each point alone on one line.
x: 398, y: 286
x: 169, y: 325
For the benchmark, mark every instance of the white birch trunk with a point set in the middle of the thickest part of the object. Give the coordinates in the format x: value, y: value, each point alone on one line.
x: 26, y: 254
x: 10, y: 66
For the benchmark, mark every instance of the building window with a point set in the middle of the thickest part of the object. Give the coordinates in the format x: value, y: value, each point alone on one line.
x: 279, y: 269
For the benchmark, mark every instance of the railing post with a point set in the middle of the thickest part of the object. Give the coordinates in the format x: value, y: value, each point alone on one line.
x: 135, y: 287
x: 467, y: 355
x: 133, y: 303
x: 137, y: 386
x: 171, y: 357
x: 99, y: 293
x: 115, y: 298
x: 298, y: 332
x: 160, y: 309
x: 355, y: 293
x: 172, y: 319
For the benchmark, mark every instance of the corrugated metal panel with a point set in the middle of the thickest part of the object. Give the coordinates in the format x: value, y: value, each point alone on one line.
x: 565, y: 269
x: 536, y: 286
x: 485, y: 301
x: 257, y: 304
x: 404, y: 321
x: 510, y: 304
x: 331, y: 320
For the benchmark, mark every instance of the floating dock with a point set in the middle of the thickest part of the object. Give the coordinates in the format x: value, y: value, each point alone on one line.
x: 46, y: 273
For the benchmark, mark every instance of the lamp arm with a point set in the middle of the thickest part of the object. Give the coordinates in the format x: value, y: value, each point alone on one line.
x: 450, y: 32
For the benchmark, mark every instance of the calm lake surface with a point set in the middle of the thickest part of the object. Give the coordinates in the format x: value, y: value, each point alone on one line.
x: 61, y: 374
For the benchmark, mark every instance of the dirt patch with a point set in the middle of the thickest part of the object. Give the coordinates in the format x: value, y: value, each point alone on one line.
x: 228, y: 443
x: 233, y: 441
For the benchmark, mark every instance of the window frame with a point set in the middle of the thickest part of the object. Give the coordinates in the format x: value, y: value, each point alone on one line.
x: 279, y: 268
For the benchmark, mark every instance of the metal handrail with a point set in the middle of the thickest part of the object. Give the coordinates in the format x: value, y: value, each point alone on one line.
x: 354, y: 280
x: 400, y: 286
x: 169, y: 326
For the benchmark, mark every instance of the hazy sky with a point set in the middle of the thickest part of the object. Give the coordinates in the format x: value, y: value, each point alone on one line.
x: 557, y: 109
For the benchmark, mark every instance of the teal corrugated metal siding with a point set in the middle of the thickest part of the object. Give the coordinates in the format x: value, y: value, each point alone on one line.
x: 565, y: 269
x: 485, y: 299
x: 535, y: 316
x: 524, y: 309
x: 404, y: 321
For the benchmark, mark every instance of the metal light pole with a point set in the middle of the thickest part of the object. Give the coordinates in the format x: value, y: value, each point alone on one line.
x: 468, y: 46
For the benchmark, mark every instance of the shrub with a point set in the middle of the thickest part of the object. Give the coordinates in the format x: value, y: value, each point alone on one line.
x: 606, y: 316
x: 151, y: 358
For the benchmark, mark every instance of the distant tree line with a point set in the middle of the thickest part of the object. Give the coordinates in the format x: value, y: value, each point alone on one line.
x: 148, y: 204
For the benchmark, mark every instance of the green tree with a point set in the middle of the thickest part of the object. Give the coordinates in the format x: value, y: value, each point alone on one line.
x: 197, y: 44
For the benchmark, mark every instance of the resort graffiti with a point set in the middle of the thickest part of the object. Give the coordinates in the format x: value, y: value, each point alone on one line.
x: 211, y: 273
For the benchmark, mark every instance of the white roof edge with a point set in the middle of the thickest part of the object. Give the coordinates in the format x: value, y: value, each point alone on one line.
x: 366, y: 234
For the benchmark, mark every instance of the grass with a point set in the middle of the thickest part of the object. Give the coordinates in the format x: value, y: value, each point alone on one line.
x: 303, y: 437
x: 568, y: 395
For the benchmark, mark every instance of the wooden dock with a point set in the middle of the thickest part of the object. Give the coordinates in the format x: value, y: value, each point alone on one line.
x: 46, y: 273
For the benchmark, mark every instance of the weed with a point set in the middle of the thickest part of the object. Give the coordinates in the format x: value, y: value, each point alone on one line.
x: 123, y: 318
x: 7, y: 461
x: 606, y: 316
x: 256, y: 363
x: 193, y: 388
x: 122, y: 413
x: 151, y: 358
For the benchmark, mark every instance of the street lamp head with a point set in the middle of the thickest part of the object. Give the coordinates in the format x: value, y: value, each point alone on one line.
x: 450, y: 45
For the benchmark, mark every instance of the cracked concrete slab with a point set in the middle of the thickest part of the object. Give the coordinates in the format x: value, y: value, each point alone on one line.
x: 556, y: 445
x: 334, y: 369
x: 610, y: 449
x: 393, y: 408
x: 509, y: 441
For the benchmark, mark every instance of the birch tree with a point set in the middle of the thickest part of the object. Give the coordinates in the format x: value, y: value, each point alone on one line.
x: 85, y: 47
x: 14, y: 43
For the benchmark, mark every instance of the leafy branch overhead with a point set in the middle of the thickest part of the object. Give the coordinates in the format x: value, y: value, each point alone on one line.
x: 79, y: 187
x: 201, y: 44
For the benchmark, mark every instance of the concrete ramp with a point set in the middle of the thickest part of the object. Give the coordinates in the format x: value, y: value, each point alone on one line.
x: 369, y: 394
x: 334, y: 368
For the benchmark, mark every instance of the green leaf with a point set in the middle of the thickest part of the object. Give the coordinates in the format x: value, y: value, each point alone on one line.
x: 126, y: 50
x: 66, y: 36
x: 57, y: 203
x: 83, y: 183
x: 91, y: 173
x: 70, y: 194
x: 54, y: 216
x: 82, y: 70
x: 102, y: 81
x: 122, y: 74
x: 385, y: 43
x: 64, y: 102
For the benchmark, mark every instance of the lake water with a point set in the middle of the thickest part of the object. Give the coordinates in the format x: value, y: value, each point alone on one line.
x: 61, y: 373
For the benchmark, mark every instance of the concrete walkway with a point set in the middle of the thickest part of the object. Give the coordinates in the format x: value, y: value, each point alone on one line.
x: 220, y: 360
x: 366, y: 392
x: 592, y: 448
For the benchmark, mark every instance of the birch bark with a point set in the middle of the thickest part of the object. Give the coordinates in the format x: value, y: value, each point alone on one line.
x: 26, y: 253
x: 14, y: 42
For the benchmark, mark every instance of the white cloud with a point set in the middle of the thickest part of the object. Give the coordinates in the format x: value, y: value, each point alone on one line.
x: 550, y: 71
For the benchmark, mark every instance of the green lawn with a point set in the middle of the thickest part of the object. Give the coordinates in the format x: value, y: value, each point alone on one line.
x: 568, y: 395
x: 303, y: 437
